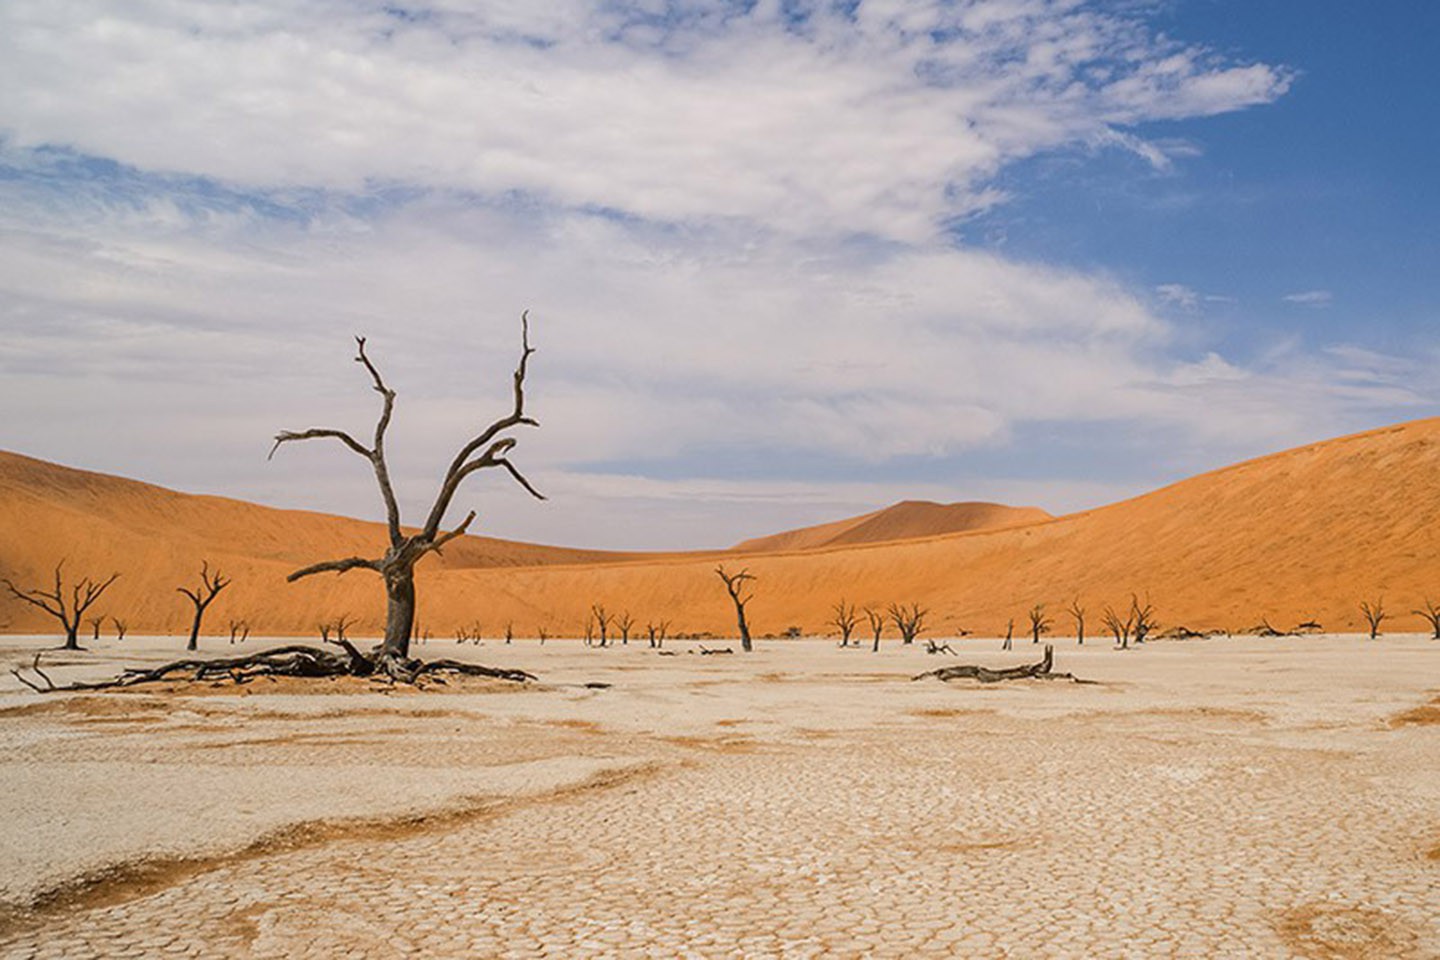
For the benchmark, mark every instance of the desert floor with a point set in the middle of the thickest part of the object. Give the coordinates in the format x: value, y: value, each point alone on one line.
x: 1218, y: 798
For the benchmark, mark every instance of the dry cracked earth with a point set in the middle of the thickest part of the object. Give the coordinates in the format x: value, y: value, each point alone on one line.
x: 802, y: 804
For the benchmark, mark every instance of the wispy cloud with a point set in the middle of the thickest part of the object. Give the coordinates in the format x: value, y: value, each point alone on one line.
x: 1310, y: 298
x: 1178, y: 295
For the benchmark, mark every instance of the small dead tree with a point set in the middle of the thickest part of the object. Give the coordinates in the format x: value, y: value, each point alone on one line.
x: 1374, y: 614
x: 1431, y: 613
x: 202, y: 596
x: 655, y: 632
x: 1120, y: 628
x: 735, y: 586
x: 543, y: 633
x: 1077, y: 613
x: 909, y: 620
x: 95, y: 623
x: 509, y: 631
x: 239, y: 630
x: 624, y: 622
x: 1039, y: 623
x: 488, y: 449
x: 602, y: 622
x: 843, y: 617
x: 876, y: 619
x: 1144, y: 617
x: 120, y: 627
x: 1009, y: 635
x: 82, y: 597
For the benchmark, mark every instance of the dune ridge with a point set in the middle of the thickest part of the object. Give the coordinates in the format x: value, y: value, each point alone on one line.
x: 1300, y: 535
x: 906, y: 520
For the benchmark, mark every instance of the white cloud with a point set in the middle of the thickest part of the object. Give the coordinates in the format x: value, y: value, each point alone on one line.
x: 1310, y: 298
x: 1178, y: 295
x: 889, y: 121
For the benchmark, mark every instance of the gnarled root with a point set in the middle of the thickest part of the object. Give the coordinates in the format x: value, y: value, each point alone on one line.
x: 288, y: 661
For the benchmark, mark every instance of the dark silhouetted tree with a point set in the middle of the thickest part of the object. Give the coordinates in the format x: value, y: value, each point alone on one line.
x: 735, y: 586
x: 68, y: 611
x: 488, y: 449
x: 201, y: 597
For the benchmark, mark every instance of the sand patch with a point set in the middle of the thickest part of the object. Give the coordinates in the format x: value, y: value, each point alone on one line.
x: 1340, y: 932
x: 1425, y: 715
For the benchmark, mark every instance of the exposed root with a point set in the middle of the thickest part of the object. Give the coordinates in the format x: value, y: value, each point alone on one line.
x: 1030, y: 671
x: 288, y: 661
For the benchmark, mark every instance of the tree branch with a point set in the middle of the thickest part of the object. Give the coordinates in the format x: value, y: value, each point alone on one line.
x: 462, y: 466
x: 337, y: 566
x: 377, y: 454
x: 285, y: 436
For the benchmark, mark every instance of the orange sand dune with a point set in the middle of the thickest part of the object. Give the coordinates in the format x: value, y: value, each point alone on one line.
x: 1299, y: 535
x: 901, y: 521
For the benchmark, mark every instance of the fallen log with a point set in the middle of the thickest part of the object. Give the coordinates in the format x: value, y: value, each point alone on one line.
x: 1029, y: 671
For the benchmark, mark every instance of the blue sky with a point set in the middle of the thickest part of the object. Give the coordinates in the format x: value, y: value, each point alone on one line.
x: 786, y: 262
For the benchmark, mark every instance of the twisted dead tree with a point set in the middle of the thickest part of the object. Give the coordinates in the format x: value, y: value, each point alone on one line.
x: 1039, y: 623
x: 909, y: 620
x: 202, y: 596
x: 603, y: 621
x: 1374, y: 614
x: 54, y: 602
x: 390, y: 660
x: 1030, y: 671
x: 735, y: 586
x: 625, y: 623
x: 1077, y: 613
x: 876, y: 619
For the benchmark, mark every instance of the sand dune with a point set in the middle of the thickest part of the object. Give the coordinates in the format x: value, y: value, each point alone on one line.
x: 906, y: 520
x: 1299, y: 535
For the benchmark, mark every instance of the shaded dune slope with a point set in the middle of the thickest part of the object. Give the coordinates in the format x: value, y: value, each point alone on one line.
x: 1304, y: 534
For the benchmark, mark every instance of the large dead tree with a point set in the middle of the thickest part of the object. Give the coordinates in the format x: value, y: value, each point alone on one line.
x: 488, y: 449
x: 69, y: 611
x: 211, y: 583
x: 735, y: 586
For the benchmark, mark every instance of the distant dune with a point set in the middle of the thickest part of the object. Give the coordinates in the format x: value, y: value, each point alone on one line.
x: 907, y: 520
x: 1304, y: 534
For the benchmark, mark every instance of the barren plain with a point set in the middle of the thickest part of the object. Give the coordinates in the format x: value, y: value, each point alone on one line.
x: 1212, y: 798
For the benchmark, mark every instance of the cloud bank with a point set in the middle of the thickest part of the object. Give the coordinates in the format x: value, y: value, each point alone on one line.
x: 730, y: 220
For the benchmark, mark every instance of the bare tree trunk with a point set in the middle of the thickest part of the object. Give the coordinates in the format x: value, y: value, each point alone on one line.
x: 399, y: 613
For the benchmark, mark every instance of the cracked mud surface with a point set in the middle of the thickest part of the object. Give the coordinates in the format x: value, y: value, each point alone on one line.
x: 1182, y: 810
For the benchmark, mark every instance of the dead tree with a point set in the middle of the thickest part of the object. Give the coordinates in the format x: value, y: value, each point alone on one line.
x: 624, y: 622
x: 1009, y: 635
x: 509, y: 631
x: 239, y: 630
x: 908, y: 620
x: 876, y: 619
x: 602, y: 621
x: 1144, y: 618
x: 655, y: 632
x: 120, y: 627
x: 1120, y: 628
x: 543, y: 633
x: 1431, y: 613
x: 843, y: 617
x: 95, y: 623
x: 1039, y: 623
x: 1030, y: 671
x: 1077, y: 613
x: 210, y: 586
x: 1374, y: 614
x: 735, y: 586
x: 937, y: 646
x: 590, y: 630
x: 488, y: 449
x: 82, y: 597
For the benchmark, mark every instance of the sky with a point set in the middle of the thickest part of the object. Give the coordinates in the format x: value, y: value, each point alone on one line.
x: 784, y: 261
